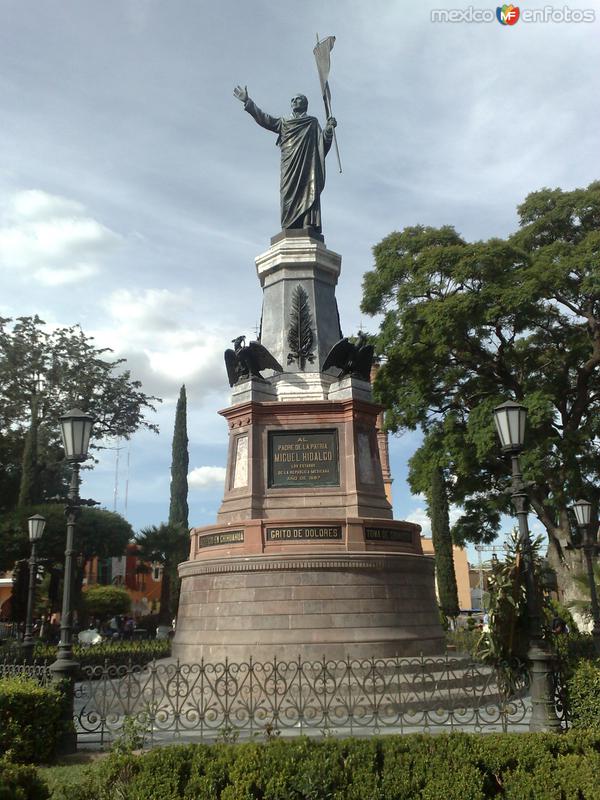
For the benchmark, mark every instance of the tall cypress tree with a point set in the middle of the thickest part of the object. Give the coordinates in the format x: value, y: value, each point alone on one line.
x: 442, y: 544
x: 29, y: 493
x: 178, y: 507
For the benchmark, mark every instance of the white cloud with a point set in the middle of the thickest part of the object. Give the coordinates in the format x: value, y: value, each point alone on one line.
x: 165, y: 345
x: 52, y: 238
x: 34, y: 204
x: 420, y: 516
x: 59, y: 277
x: 155, y: 309
x: 182, y: 362
x: 206, y: 477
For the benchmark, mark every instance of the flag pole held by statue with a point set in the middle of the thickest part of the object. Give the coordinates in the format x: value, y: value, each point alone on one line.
x: 322, y: 51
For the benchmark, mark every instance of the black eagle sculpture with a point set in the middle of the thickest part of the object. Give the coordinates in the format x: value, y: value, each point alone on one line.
x: 352, y: 358
x: 244, y: 362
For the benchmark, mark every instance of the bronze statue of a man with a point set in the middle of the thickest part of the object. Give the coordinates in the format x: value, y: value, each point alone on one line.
x: 303, y: 149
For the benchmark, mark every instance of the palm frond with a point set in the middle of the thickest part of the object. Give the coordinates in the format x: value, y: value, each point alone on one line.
x: 300, y: 333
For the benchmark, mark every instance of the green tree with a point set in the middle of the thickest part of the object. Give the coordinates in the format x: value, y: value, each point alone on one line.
x: 442, y: 544
x: 97, y: 533
x: 106, y: 601
x: 469, y: 325
x: 178, y: 507
x: 11, y: 447
x: 44, y: 373
x: 583, y: 605
x: 167, y: 545
x: 29, y: 491
x: 505, y: 644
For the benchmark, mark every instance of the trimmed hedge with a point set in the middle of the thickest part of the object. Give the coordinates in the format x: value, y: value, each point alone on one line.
x: 30, y: 720
x: 584, y: 696
x: 114, y: 653
x: 64, y: 782
x: 117, y: 653
x: 572, y: 648
x: 449, y: 766
x: 18, y: 782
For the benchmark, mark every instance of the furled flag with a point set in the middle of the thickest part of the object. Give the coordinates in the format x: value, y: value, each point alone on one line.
x: 322, y: 51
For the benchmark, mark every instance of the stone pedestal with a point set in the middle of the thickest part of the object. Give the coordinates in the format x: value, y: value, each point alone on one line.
x: 320, y: 603
x: 292, y: 262
x: 305, y: 558
x: 324, y: 455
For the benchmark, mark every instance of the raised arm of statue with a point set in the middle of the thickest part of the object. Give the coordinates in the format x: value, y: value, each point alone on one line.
x: 241, y: 92
x: 264, y: 120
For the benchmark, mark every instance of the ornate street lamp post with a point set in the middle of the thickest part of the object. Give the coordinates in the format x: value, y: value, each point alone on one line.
x: 510, y: 419
x: 583, y: 515
x: 36, y: 525
x: 76, y: 427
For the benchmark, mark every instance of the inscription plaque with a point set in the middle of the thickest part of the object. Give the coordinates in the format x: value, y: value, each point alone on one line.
x: 304, y: 532
x: 388, y: 535
x: 303, y: 459
x: 214, y: 539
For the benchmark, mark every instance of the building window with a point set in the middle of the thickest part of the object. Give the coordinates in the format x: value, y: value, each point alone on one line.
x: 104, y: 571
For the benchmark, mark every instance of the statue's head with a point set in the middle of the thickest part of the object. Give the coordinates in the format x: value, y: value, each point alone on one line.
x: 299, y: 103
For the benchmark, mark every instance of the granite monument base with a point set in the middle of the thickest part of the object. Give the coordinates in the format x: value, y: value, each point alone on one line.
x: 307, y: 588
x: 287, y: 607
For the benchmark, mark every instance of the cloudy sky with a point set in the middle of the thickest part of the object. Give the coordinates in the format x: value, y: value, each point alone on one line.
x: 135, y: 192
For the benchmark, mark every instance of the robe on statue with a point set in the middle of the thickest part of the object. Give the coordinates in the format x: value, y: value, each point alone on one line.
x: 303, y: 149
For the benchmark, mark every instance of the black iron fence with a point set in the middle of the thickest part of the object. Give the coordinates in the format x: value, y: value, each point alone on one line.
x: 39, y: 672
x: 351, y: 697
x: 166, y: 701
x: 9, y: 632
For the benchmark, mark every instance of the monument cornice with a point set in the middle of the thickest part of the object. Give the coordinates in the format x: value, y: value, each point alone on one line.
x: 290, y: 256
x: 382, y: 561
x: 254, y: 410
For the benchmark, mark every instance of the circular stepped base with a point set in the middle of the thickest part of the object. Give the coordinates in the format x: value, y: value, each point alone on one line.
x: 309, y: 606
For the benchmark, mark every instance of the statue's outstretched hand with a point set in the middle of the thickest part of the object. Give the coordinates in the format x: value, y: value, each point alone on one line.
x: 241, y: 94
x: 331, y: 123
